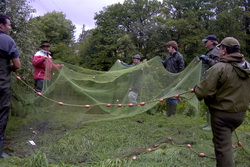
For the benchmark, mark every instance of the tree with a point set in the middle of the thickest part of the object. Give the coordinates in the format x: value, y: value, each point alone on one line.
x: 124, y: 30
x: 19, y: 12
x: 57, y: 28
x: 84, y: 35
x: 187, y: 23
x: 68, y: 55
x: 233, y: 20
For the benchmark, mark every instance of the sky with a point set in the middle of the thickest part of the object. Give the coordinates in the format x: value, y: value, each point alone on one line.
x: 78, y: 11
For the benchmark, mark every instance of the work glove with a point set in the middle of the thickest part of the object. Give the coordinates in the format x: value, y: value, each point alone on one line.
x: 204, y: 58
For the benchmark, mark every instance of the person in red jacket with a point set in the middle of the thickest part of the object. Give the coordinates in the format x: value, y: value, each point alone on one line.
x: 43, y: 64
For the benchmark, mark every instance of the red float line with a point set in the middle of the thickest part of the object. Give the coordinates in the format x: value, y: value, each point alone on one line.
x: 91, y: 105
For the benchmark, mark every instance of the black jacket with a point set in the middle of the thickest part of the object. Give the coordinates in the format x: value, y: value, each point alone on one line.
x: 174, y: 63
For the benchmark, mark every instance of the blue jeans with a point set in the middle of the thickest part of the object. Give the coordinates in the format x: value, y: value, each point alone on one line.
x: 172, y: 100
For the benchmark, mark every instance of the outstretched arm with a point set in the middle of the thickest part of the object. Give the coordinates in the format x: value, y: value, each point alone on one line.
x: 57, y: 66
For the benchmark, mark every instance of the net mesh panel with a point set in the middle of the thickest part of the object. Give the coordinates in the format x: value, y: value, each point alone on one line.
x: 76, y: 89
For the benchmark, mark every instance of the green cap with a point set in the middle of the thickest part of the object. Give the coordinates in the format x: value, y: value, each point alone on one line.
x: 230, y: 42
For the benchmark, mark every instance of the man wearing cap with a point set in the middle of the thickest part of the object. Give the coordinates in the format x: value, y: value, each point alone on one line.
x: 209, y: 59
x: 9, y: 62
x: 136, y: 79
x: 136, y: 60
x: 173, y: 63
x: 212, y: 55
x: 43, y: 64
x: 226, y: 92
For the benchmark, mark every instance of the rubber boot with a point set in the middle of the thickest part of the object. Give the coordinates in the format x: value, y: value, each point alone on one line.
x: 3, y: 154
x: 173, y: 109
x: 208, y: 127
x: 168, y: 107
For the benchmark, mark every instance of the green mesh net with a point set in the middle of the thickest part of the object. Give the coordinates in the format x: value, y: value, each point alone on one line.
x: 75, y: 118
x: 76, y: 89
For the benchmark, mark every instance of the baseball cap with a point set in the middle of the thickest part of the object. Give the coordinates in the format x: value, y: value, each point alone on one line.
x: 210, y: 37
x: 137, y: 56
x: 230, y: 42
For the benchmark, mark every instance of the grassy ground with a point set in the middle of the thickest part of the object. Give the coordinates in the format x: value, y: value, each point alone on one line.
x: 70, y: 139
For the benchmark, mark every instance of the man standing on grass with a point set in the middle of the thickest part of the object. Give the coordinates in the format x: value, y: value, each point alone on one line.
x: 43, y: 64
x: 210, y: 58
x: 136, y: 79
x: 9, y: 61
x: 173, y: 63
x: 226, y: 92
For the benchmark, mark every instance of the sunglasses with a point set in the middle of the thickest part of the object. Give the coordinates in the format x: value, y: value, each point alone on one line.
x: 46, y: 46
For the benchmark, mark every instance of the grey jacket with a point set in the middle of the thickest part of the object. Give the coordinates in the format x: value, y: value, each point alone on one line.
x: 214, y: 57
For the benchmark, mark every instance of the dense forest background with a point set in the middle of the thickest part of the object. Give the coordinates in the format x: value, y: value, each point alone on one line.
x: 122, y: 30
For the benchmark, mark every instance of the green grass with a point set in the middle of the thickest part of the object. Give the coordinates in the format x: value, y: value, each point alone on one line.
x: 72, y: 139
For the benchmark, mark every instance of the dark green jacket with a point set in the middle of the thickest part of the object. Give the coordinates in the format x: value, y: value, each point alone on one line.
x: 226, y: 86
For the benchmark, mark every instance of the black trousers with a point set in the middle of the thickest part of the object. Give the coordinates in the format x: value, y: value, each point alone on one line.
x: 39, y: 85
x: 223, y: 124
x: 5, y: 101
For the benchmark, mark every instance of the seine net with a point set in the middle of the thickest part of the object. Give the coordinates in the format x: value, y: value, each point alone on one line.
x: 76, y: 89
x: 57, y: 119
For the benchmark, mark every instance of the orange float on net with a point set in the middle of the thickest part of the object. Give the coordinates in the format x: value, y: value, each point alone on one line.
x: 60, y: 103
x: 191, y: 90
x: 18, y: 78
x: 39, y: 93
x: 177, y: 96
x: 142, y: 103
x: 130, y: 105
x: 202, y: 154
x: 87, y: 106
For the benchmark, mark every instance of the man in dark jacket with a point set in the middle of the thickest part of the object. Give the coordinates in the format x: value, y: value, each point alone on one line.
x: 173, y: 63
x: 8, y: 53
x: 210, y: 58
x: 226, y: 92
